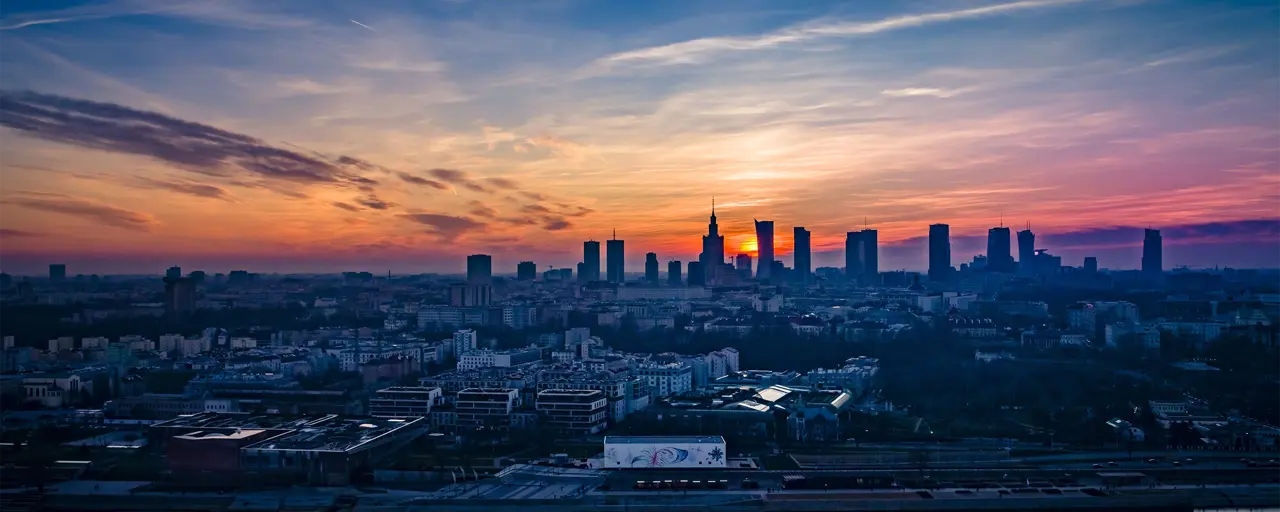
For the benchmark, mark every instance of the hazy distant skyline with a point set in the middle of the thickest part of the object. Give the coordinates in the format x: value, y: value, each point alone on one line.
x: 403, y: 135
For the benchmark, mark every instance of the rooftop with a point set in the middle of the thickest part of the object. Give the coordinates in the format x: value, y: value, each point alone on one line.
x: 408, y: 389
x: 337, y: 435
x: 238, y: 434
x: 663, y: 439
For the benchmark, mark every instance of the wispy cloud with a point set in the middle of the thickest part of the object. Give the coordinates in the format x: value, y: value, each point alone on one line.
x: 923, y: 91
x: 694, y: 50
x: 18, y: 233
x: 1194, y: 55
x: 238, y: 13
x: 447, y: 227
x: 363, y: 25
x: 182, y: 187
x: 88, y: 210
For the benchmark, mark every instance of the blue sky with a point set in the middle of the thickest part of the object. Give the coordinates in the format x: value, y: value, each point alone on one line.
x: 560, y: 121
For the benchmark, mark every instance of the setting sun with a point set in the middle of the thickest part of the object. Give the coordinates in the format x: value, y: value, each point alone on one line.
x: 749, y: 246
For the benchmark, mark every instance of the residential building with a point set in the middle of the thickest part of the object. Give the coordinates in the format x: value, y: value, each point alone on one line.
x: 572, y: 412
x: 764, y: 249
x: 666, y: 379
x: 464, y: 341
x: 502, y: 359
x: 486, y: 407
x: 404, y: 402
x: 1147, y: 336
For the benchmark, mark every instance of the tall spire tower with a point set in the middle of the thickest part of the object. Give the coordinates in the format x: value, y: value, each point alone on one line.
x: 712, y: 258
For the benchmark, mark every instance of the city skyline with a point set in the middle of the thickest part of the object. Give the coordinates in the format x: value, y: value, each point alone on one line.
x: 284, y: 137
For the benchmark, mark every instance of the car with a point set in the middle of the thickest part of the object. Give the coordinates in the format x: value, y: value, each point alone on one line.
x: 1152, y: 461
x: 1190, y: 461
x: 1097, y: 466
x: 1112, y: 464
x: 1176, y: 463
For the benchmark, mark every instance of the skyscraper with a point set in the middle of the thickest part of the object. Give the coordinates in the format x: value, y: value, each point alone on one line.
x: 590, y: 261
x: 57, y: 272
x: 614, y: 253
x: 479, y: 269
x: 1091, y: 264
x: 803, y: 262
x: 999, y: 250
x: 174, y: 272
x: 742, y: 263
x: 651, y: 267
x: 1152, y: 253
x: 939, y: 252
x: 1026, y: 251
x: 526, y: 271
x: 862, y: 256
x: 696, y: 278
x: 673, y: 273
x: 712, y: 258
x: 764, y: 242
x: 179, y: 295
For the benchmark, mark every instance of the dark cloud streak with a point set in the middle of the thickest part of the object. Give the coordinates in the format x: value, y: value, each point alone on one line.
x: 192, y: 146
x: 100, y: 213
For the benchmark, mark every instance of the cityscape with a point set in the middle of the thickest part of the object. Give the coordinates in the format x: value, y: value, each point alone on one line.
x: 473, y: 255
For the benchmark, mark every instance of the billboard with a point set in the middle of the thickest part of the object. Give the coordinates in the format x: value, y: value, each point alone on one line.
x: 664, y: 452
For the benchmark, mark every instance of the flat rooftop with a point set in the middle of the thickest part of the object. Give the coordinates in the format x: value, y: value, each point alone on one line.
x: 663, y: 440
x: 207, y: 420
x: 340, y: 436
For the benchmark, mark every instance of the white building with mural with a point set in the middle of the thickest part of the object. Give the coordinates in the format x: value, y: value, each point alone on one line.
x: 686, y: 452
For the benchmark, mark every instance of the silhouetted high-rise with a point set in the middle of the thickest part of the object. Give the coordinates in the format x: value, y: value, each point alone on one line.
x: 526, y: 271
x: 615, y: 255
x: 479, y: 269
x: 179, y: 295
x: 861, y: 256
x: 803, y: 258
x: 764, y: 244
x: 712, y: 258
x: 1091, y: 264
x: 173, y: 272
x: 57, y: 272
x: 939, y: 252
x: 673, y: 273
x: 651, y: 267
x: 590, y: 261
x: 1026, y: 251
x: 696, y: 278
x: 999, y: 250
x: 742, y: 263
x: 1152, y: 253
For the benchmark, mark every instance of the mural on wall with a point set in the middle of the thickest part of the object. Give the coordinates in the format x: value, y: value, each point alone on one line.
x: 665, y: 456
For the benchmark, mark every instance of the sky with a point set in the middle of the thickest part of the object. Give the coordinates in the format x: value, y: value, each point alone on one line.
x: 320, y: 136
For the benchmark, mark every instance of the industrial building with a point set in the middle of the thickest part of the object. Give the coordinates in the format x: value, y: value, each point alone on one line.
x: 627, y: 452
x: 249, y: 448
